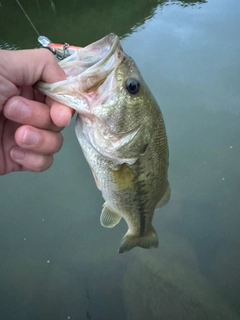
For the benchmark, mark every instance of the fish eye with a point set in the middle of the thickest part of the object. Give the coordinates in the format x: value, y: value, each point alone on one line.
x: 132, y: 86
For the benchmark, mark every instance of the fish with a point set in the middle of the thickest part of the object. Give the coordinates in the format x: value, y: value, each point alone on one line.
x: 122, y: 133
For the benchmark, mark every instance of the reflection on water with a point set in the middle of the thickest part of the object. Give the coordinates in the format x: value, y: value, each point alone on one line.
x: 189, y: 2
x: 78, y: 22
x: 57, y: 262
x: 168, y: 285
x: 6, y: 46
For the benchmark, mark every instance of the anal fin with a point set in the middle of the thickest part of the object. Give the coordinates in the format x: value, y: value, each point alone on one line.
x: 109, y: 218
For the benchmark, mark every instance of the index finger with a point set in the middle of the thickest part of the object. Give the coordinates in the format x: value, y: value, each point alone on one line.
x: 26, y: 67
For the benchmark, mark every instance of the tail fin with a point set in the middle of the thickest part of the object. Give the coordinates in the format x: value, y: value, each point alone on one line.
x: 129, y: 241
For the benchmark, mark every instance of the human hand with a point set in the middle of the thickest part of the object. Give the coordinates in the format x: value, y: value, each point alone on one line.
x: 30, y: 124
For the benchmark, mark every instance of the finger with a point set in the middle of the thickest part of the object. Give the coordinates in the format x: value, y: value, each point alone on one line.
x: 38, y: 141
x: 30, y: 160
x: 27, y: 92
x: 25, y: 67
x: 34, y: 113
x: 31, y: 94
x: 61, y: 115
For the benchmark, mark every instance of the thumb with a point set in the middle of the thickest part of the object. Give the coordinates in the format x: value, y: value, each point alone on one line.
x: 25, y: 67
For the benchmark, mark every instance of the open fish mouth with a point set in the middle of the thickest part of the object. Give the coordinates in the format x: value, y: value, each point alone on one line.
x: 86, y: 70
x: 91, y: 57
x: 103, y: 49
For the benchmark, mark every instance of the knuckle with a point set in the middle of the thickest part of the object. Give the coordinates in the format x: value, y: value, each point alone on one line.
x: 51, y: 143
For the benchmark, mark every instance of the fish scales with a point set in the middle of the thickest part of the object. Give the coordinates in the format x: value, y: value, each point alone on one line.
x: 122, y: 133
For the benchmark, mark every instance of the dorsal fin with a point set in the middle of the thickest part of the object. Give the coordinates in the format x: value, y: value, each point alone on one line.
x: 165, y: 198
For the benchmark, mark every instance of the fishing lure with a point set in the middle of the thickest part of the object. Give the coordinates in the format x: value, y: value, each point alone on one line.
x: 61, y: 51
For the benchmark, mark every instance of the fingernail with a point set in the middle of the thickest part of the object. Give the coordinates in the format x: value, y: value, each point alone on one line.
x: 30, y: 138
x: 18, y: 110
x: 17, y: 154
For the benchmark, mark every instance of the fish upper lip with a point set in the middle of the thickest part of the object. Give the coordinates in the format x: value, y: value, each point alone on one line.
x: 110, y: 40
x: 115, y: 42
x: 94, y: 55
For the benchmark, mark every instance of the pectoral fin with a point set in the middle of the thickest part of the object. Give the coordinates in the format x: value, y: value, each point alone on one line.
x: 108, y: 218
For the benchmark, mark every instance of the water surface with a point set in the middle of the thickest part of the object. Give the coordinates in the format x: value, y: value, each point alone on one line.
x: 57, y: 261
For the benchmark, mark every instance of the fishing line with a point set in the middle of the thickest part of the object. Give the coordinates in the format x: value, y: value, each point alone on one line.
x: 26, y: 15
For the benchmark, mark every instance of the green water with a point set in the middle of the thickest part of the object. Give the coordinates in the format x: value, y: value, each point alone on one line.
x: 56, y: 260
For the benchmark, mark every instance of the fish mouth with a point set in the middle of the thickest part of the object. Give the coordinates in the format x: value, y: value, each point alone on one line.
x: 112, y: 42
x: 90, y: 75
x: 93, y: 56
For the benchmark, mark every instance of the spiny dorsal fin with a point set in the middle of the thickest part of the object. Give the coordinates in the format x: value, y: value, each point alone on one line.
x: 108, y: 218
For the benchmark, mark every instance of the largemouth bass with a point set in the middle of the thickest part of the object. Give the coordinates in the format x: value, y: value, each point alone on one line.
x: 121, y: 131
